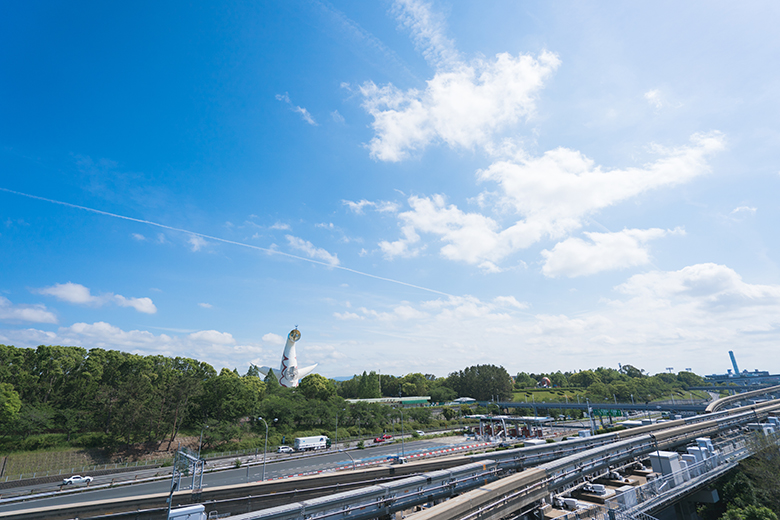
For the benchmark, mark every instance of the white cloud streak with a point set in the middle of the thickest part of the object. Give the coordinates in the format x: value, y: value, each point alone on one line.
x: 222, y: 240
x: 305, y: 115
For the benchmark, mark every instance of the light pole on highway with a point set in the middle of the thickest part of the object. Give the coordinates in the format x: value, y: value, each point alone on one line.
x: 265, y: 449
x: 401, y: 408
x: 200, y: 442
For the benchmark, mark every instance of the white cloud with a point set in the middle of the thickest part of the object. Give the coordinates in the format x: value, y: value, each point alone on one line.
x: 509, y: 301
x: 281, y: 226
x: 28, y: 313
x: 603, y: 252
x: 710, y: 286
x: 196, y: 243
x: 144, y: 305
x: 312, y: 251
x: 273, y: 339
x: 464, y: 104
x: 347, y: 316
x: 383, y: 206
x: 76, y: 293
x: 744, y: 209
x: 337, y: 117
x: 70, y: 292
x: 138, y: 236
x: 555, y: 191
x: 285, y: 98
x: 205, y: 305
x: 462, y: 107
x: 213, y: 336
x: 655, y: 98
x: 552, y: 194
x: 428, y: 32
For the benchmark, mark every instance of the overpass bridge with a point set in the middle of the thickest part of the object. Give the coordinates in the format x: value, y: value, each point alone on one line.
x: 677, y: 406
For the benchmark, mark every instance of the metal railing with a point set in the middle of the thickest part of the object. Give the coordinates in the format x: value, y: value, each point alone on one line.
x: 636, y: 501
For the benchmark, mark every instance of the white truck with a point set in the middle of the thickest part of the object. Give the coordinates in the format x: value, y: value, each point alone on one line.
x: 318, y: 442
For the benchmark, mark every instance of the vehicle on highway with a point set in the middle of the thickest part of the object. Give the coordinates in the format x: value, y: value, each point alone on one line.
x: 284, y: 449
x: 379, y: 439
x: 76, y: 479
x: 387, y: 436
x: 419, y: 432
x: 317, y: 442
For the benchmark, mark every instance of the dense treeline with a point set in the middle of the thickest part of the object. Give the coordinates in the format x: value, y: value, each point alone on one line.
x: 118, y: 395
x: 105, y: 398
x: 481, y: 382
x: 606, y: 384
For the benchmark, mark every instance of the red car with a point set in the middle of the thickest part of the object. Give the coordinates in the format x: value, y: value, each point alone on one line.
x: 379, y: 439
x: 386, y: 436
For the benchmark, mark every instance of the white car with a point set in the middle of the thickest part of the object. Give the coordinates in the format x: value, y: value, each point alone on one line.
x: 420, y: 432
x: 284, y: 449
x: 76, y: 479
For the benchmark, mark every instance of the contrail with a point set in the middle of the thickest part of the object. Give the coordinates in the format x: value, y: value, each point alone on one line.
x: 226, y: 241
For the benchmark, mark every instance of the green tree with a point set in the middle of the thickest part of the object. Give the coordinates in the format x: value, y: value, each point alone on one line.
x: 749, y: 513
x: 482, y: 382
x: 368, y: 386
x: 523, y: 380
x: 584, y: 378
x: 442, y: 394
x: 315, y: 386
x: 10, y: 404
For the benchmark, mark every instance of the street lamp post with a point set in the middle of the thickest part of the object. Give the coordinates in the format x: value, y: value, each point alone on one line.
x: 401, y: 408
x: 265, y: 448
x: 590, y: 418
x: 200, y: 442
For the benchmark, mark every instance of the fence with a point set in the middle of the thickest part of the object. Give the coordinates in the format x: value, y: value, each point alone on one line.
x: 86, y: 469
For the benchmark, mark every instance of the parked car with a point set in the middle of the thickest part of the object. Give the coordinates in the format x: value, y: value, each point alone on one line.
x: 76, y: 479
x: 284, y: 449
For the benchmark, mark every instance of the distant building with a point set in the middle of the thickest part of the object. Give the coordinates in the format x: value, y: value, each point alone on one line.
x: 757, y: 377
x: 405, y: 401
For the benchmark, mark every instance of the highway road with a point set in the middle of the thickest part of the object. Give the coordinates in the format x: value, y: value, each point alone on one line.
x: 252, y: 471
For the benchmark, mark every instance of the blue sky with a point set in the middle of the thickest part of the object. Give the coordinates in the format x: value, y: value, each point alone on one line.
x: 419, y: 186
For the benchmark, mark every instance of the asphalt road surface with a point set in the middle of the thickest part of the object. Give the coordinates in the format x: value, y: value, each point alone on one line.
x: 285, y: 465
